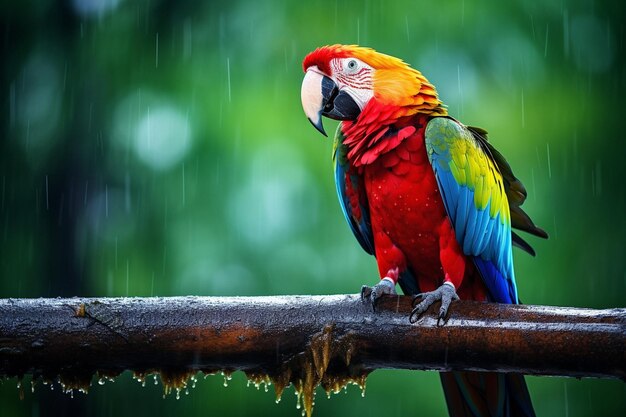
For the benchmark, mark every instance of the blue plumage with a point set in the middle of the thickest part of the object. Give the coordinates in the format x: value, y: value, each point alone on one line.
x: 482, y: 230
x: 499, y: 290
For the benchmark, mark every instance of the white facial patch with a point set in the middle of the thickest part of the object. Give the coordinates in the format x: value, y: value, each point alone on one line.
x: 354, y: 77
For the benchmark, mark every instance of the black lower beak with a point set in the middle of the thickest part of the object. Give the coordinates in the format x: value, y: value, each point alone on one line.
x: 337, y: 104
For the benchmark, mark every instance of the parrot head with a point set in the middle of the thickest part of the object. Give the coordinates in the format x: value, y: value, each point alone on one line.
x: 342, y: 81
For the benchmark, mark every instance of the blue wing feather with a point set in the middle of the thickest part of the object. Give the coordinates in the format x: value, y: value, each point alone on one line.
x: 469, y: 243
x: 483, y: 231
x: 494, y: 280
x: 482, y: 224
x: 480, y: 242
x: 461, y: 214
x: 449, y: 184
x: 360, y: 227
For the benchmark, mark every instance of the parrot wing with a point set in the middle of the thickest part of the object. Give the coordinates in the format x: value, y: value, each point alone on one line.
x: 352, y: 197
x: 475, y: 198
x: 515, y: 193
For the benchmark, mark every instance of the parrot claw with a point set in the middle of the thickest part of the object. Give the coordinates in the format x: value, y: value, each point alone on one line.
x: 373, y: 294
x: 446, y: 293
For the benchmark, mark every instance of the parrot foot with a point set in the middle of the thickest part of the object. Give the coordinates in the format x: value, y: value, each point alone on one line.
x: 372, y: 294
x: 446, y: 293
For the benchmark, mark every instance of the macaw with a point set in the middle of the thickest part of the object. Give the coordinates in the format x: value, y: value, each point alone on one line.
x: 429, y: 197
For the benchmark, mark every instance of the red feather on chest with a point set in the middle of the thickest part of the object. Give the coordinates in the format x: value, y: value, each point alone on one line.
x: 409, y: 221
x: 406, y: 209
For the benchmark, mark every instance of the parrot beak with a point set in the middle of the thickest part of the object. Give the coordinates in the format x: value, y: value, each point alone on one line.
x: 312, y: 99
x: 321, y: 97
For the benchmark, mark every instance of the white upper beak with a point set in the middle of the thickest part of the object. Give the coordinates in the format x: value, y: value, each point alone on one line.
x: 311, y: 95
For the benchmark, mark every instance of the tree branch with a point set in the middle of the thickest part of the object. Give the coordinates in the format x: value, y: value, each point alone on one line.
x: 305, y: 340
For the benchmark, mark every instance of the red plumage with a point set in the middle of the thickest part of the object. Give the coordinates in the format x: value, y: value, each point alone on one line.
x: 410, y: 226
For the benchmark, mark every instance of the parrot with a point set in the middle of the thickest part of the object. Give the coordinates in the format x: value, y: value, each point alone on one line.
x: 429, y: 197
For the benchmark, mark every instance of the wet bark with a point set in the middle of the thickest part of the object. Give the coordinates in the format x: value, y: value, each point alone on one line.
x: 74, y: 337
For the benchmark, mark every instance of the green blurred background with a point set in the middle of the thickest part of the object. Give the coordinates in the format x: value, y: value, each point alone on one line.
x: 156, y: 148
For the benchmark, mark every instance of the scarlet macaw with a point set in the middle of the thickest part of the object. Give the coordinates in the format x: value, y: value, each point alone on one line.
x: 429, y: 197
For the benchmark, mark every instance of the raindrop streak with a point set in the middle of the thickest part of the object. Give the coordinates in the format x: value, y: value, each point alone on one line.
x: 545, y: 49
x: 408, y: 36
x: 549, y: 166
x: 556, y: 232
x: 228, y: 74
x: 598, y: 178
x: 47, y: 205
x: 27, y: 134
x: 65, y: 77
x: 566, y: 33
x: 106, y: 201
x: 183, y: 184
x: 458, y: 75
x: 187, y: 38
x: 127, y: 192
x: 463, y: 13
x: 523, y: 118
x: 12, y: 105
x: 532, y: 175
x: 127, y: 276
x: 149, y: 129
x: 156, y: 58
x: 286, y: 64
x: 358, y: 31
x: 90, y: 117
x: 164, y: 257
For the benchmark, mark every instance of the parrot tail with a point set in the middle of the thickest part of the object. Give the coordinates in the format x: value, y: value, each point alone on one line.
x: 486, y: 394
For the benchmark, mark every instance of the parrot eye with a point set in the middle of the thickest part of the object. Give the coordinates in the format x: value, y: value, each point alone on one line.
x: 352, y: 65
